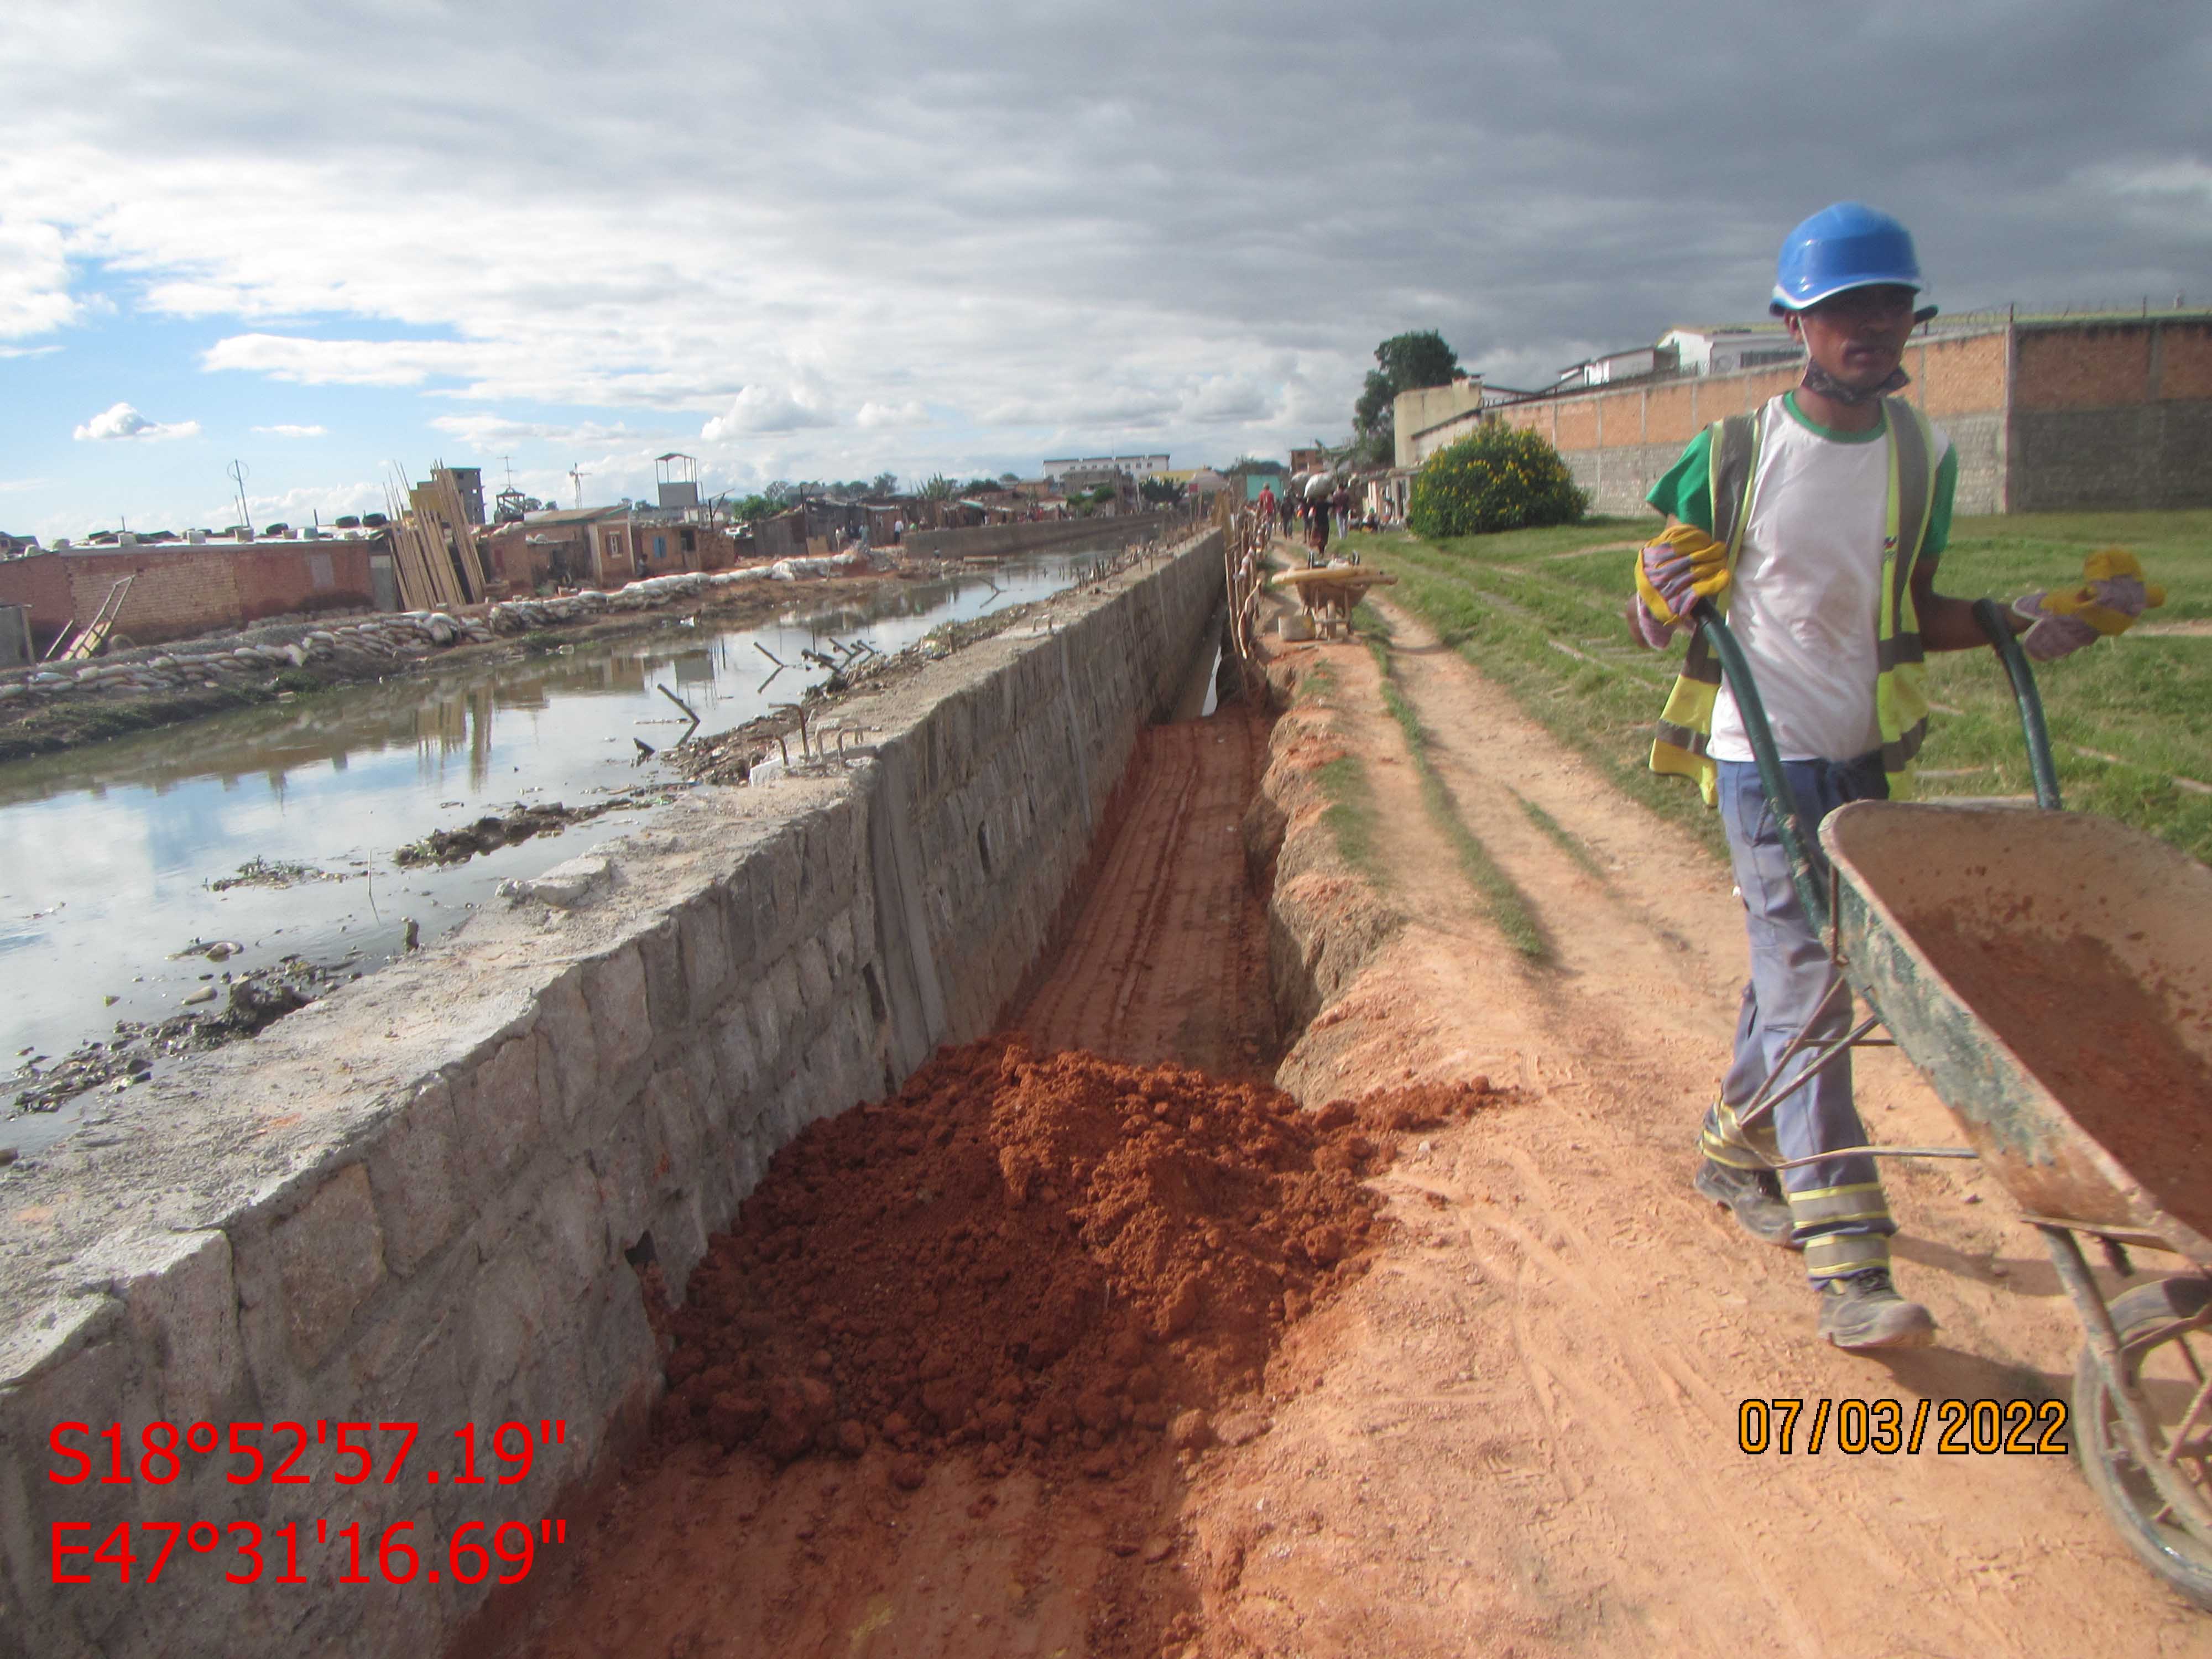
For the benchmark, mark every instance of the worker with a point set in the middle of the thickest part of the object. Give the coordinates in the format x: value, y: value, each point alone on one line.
x: 1814, y: 525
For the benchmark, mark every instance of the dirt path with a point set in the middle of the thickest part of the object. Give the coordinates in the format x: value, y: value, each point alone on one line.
x: 1524, y: 1422
x: 1168, y: 958
x: 1515, y: 1434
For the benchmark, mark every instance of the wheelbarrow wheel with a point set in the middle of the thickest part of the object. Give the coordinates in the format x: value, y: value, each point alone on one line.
x: 2156, y: 1323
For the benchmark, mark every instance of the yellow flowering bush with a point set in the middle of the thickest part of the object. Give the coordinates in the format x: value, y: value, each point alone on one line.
x: 1500, y: 478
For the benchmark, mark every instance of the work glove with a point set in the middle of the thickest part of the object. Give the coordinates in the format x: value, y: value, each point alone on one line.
x: 1646, y: 630
x: 2111, y: 596
x: 1683, y: 566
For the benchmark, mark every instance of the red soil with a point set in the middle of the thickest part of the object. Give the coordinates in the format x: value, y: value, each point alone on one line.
x: 2106, y: 1045
x: 1050, y: 1259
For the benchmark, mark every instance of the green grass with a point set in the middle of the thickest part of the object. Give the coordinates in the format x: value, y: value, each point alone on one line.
x: 1502, y: 901
x: 1562, y: 837
x: 1351, y: 814
x: 1503, y: 601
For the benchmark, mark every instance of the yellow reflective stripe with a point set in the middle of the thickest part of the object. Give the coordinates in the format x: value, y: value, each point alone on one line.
x: 1831, y: 1192
x: 1834, y: 1255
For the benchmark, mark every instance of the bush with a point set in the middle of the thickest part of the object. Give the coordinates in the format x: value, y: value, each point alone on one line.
x: 1500, y: 478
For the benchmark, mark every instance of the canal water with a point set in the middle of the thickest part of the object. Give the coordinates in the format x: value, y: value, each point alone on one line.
x: 108, y: 853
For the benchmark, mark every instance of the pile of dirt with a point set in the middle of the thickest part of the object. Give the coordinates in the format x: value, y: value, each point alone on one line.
x: 1054, y: 1259
x: 2104, y: 1042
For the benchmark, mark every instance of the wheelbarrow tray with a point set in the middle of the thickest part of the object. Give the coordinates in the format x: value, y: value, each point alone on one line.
x: 2051, y: 975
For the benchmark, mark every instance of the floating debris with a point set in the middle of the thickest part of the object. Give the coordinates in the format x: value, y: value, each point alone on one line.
x: 270, y: 873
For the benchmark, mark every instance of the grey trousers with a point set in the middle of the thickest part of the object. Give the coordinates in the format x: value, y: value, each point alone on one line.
x: 1842, y: 1219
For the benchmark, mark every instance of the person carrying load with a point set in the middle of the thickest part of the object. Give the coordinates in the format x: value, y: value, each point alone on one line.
x: 1814, y: 525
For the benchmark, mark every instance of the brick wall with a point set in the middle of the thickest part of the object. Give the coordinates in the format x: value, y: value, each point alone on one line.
x: 1619, y: 440
x: 2112, y: 414
x: 176, y: 592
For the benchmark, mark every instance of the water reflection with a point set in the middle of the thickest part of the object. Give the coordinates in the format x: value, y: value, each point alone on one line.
x: 106, y: 852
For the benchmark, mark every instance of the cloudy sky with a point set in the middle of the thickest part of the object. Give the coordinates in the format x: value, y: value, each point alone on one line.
x: 829, y: 240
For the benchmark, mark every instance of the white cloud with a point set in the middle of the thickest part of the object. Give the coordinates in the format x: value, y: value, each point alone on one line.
x: 120, y: 421
x: 305, y: 361
x: 874, y: 415
x: 29, y: 351
x: 293, y: 431
x: 483, y: 432
x: 1050, y: 263
x: 15, y: 486
x: 762, y: 409
x: 34, y: 295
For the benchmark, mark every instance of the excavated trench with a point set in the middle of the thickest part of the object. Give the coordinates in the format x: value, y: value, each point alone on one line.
x: 942, y: 1386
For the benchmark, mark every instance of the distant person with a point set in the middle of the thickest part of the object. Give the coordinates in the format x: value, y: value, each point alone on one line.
x: 1267, y: 504
x: 1340, y: 504
x: 1814, y: 525
x: 898, y: 532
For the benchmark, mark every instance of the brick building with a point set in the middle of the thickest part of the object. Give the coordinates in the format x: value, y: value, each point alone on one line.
x: 602, y: 547
x: 179, y: 589
x: 2046, y: 415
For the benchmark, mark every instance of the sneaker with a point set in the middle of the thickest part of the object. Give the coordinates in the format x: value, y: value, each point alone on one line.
x: 1755, y: 1195
x: 1863, y: 1310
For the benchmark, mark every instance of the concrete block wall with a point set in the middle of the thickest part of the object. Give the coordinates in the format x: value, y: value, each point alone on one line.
x: 989, y: 540
x: 422, y: 1199
x: 2112, y: 414
x: 2073, y: 414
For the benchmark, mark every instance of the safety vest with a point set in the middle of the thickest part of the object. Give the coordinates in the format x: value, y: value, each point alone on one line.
x: 1900, y: 689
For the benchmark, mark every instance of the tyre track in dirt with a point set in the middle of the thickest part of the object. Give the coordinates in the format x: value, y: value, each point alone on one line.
x: 1592, y: 1325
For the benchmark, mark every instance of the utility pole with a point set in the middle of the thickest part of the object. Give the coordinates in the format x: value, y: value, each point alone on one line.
x: 238, y: 473
x: 578, y: 478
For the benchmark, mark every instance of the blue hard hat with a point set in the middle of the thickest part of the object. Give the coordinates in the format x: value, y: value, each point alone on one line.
x: 1842, y: 247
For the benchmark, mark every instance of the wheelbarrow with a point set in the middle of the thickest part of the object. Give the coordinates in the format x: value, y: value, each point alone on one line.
x: 1331, y: 592
x: 1999, y: 946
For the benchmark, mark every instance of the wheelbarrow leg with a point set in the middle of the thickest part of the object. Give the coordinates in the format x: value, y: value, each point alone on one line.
x: 2128, y: 1403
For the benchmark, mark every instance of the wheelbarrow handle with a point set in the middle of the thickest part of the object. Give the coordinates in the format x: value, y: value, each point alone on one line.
x: 1760, y: 736
x: 1991, y: 616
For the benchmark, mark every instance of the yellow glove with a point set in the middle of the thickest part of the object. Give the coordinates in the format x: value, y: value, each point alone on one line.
x: 1683, y: 566
x: 2113, y: 594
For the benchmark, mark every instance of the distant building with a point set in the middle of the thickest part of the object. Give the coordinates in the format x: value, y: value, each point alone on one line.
x: 1637, y: 363
x: 1137, y: 466
x: 1725, y: 348
x: 468, y: 480
x: 1426, y: 406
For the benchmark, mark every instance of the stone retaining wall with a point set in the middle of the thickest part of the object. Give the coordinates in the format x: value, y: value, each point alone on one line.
x: 423, y: 1199
x: 989, y: 540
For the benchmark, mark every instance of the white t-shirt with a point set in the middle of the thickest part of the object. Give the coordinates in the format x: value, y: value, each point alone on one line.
x: 1807, y: 586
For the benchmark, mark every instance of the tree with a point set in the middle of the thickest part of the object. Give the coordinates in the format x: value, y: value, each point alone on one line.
x: 1160, y: 492
x: 1254, y: 464
x: 937, y: 488
x: 884, y: 483
x: 1407, y: 363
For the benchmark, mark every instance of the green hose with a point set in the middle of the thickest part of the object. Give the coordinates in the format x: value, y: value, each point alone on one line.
x: 1991, y: 616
